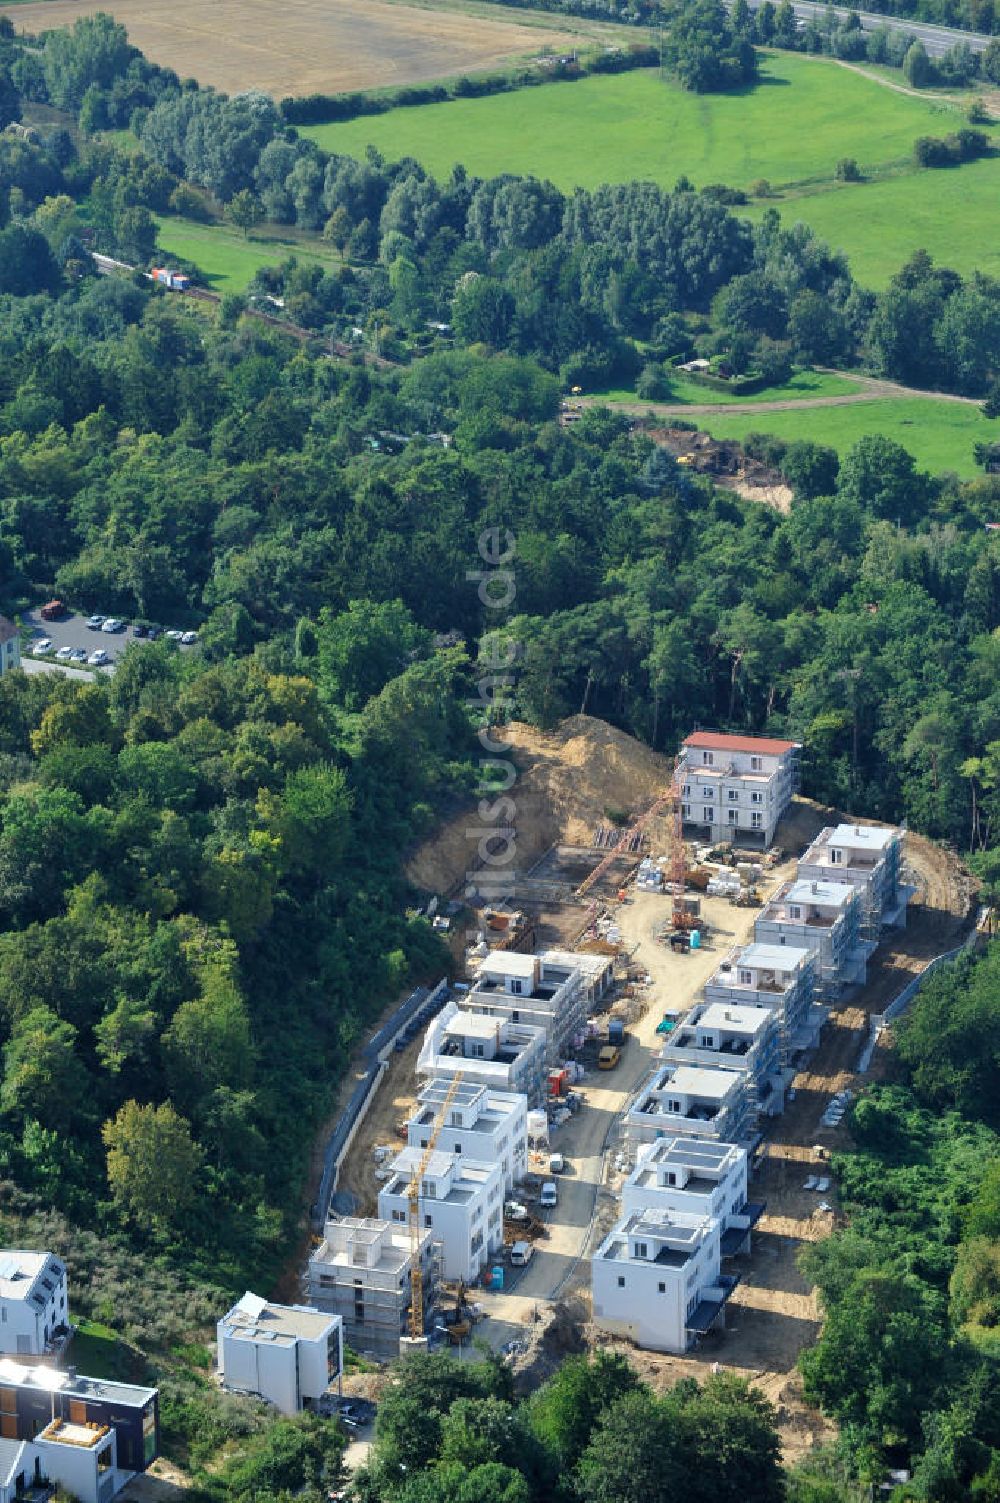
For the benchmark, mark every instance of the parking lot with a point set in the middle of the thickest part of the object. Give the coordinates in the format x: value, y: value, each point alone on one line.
x: 72, y: 632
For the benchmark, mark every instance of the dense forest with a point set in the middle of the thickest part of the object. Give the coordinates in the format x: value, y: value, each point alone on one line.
x: 201, y: 899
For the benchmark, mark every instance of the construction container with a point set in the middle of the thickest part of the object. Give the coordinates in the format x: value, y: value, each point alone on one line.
x: 559, y: 1082
x: 616, y: 1031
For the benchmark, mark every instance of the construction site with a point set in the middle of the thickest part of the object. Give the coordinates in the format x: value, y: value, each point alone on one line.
x: 605, y: 873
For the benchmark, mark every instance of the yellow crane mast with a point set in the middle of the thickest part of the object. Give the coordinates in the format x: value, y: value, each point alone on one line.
x: 413, y: 1197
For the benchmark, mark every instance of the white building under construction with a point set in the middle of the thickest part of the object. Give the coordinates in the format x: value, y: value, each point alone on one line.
x: 869, y: 859
x: 546, y: 991
x: 492, y: 1051
x: 480, y: 1123
x: 460, y: 1204
x: 361, y: 1272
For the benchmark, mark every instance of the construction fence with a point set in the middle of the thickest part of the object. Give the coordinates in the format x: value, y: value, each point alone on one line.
x: 419, y: 1007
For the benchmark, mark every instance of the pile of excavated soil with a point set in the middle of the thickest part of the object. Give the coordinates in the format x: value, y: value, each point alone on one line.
x: 567, y: 780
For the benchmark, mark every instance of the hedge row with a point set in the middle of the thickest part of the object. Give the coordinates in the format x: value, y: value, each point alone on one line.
x: 323, y: 109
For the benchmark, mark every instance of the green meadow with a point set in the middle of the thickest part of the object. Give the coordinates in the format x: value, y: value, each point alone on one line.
x: 800, y: 385
x: 939, y: 434
x: 792, y: 127
x: 230, y: 261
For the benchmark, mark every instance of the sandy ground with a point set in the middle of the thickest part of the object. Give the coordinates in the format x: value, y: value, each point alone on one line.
x: 566, y: 780
x: 307, y: 46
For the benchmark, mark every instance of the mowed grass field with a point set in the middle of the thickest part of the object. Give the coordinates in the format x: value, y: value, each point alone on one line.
x: 939, y: 434
x: 228, y: 260
x: 953, y: 214
x: 791, y: 127
x: 315, y: 46
x: 800, y: 386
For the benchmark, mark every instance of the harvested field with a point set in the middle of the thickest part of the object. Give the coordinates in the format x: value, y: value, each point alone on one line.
x: 309, y: 47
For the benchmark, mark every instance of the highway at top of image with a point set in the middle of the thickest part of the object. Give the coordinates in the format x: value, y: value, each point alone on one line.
x: 936, y: 39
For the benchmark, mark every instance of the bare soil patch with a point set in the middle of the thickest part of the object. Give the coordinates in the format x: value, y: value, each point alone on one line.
x: 307, y: 46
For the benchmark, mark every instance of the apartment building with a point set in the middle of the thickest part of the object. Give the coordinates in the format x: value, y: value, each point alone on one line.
x: 461, y: 1205
x: 89, y: 1436
x: 361, y: 1271
x: 869, y: 858
x: 656, y: 1279
x: 288, y: 1354
x: 699, y: 1178
x: 780, y: 977
x: 735, y: 1037
x: 490, y: 1051
x: 483, y: 1124
x: 597, y: 972
x: 824, y: 917
x: 34, y: 1313
x: 10, y: 646
x: 691, y: 1101
x: 535, y: 989
x: 736, y: 788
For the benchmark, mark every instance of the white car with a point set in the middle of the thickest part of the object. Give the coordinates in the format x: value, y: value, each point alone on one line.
x: 549, y: 1196
x: 174, y: 635
x: 64, y: 654
x: 38, y: 648
x: 99, y: 658
x: 189, y: 638
x: 112, y: 624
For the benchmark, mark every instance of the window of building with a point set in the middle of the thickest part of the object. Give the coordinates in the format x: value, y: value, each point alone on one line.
x: 757, y: 821
x: 734, y: 815
x: 671, y: 1176
x: 428, y: 1220
x: 756, y: 798
x: 708, y: 759
x: 515, y: 987
x: 734, y: 795
x: 708, y: 793
x: 399, y: 1215
x: 673, y: 1105
x: 795, y: 911
x: 686, y: 810
x: 708, y: 814
x: 458, y: 1148
x: 836, y: 857
x: 662, y: 1288
x: 621, y: 1281
x: 746, y: 978
x: 641, y: 1250
x: 687, y: 790
x: 756, y: 764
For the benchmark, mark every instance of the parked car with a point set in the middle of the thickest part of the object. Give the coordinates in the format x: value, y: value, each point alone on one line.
x: 44, y: 644
x: 549, y: 1196
x: 154, y: 632
x: 556, y: 1163
x: 140, y: 630
x: 189, y: 638
x: 173, y: 634
x: 53, y: 610
x: 520, y: 1254
x: 78, y: 655
x: 112, y: 624
x: 94, y: 623
x: 64, y: 654
x: 608, y: 1057
x: 99, y: 658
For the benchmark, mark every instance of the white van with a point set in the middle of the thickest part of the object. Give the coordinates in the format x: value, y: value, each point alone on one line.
x: 520, y: 1254
x: 549, y: 1196
x: 556, y: 1163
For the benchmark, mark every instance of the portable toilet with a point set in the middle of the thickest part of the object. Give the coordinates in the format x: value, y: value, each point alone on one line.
x: 496, y: 1279
x: 696, y: 939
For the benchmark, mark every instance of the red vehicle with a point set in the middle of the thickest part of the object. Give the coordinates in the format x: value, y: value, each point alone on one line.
x: 53, y: 611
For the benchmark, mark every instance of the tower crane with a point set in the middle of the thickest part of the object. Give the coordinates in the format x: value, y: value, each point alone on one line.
x: 413, y: 1199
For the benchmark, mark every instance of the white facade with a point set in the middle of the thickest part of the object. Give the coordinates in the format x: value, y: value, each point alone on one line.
x: 824, y: 917
x: 10, y: 646
x: 781, y: 977
x: 461, y: 1205
x: 736, y: 788
x: 490, y: 1126
x: 361, y: 1272
x: 539, y: 990
x: 288, y: 1354
x: 33, y: 1302
x: 495, y: 1052
x: 690, y: 1101
x: 701, y: 1179
x: 868, y: 857
x: 656, y: 1279
x: 735, y: 1037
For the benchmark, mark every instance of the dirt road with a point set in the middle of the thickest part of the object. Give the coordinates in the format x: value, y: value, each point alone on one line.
x: 872, y: 390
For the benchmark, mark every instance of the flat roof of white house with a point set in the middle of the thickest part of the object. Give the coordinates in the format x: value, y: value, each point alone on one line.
x: 509, y: 963
x: 697, y: 1080
x: 582, y: 960
x: 773, y: 957
x: 440, y: 1164
x: 726, y: 1015
x: 478, y: 1025
x: 828, y: 894
x: 866, y: 837
x: 20, y: 1270
x: 701, y: 1155
x: 392, y: 1240
x: 256, y: 1319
